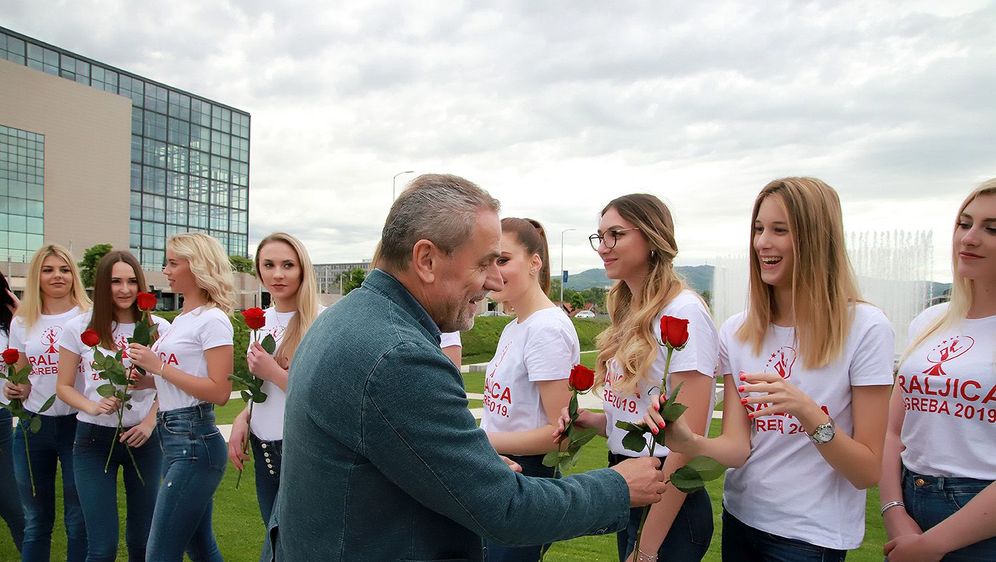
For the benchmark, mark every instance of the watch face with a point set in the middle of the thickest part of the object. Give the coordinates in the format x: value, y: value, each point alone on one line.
x: 823, y: 433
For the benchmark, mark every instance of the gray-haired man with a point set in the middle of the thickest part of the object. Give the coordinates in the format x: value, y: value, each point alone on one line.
x: 382, y: 460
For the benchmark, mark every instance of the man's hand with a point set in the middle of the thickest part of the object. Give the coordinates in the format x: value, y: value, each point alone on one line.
x: 511, y: 464
x: 645, y: 481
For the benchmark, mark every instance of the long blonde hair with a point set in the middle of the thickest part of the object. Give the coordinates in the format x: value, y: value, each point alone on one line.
x: 306, y: 299
x: 630, y: 339
x: 823, y: 286
x: 962, y: 288
x: 211, y: 268
x: 31, y: 305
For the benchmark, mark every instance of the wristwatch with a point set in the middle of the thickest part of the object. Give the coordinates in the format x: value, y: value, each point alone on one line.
x: 823, y: 433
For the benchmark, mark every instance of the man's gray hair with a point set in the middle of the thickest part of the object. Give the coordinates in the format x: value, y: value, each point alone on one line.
x: 436, y: 207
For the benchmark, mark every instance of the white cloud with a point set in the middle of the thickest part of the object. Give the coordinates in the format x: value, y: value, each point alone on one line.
x: 557, y: 107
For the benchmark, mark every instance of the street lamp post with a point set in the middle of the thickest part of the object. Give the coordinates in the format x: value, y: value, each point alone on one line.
x: 341, y: 274
x: 562, y: 232
x: 394, y: 183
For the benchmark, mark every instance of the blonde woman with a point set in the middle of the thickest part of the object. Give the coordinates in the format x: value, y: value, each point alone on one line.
x: 635, y: 240
x: 937, y: 489
x: 53, y: 296
x: 807, y: 370
x: 284, y: 268
x: 191, y: 363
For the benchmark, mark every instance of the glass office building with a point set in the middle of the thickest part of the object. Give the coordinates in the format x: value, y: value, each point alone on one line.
x: 189, y: 159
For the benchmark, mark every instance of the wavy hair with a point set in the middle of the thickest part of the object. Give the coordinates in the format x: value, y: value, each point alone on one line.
x: 962, y: 288
x: 211, y: 268
x: 630, y: 338
x: 31, y: 305
x: 824, y: 289
x: 102, y: 320
x: 306, y: 299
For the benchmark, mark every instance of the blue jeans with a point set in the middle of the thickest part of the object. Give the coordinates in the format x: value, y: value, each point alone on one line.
x: 51, y: 446
x: 742, y: 543
x: 266, y: 456
x: 98, y: 491
x: 690, y: 534
x: 932, y: 499
x: 532, y: 465
x: 10, y: 501
x: 194, y: 458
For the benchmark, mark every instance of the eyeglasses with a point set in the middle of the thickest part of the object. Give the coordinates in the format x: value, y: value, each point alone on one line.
x: 610, y: 238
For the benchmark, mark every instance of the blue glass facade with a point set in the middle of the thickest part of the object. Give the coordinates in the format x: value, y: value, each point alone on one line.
x: 189, y: 155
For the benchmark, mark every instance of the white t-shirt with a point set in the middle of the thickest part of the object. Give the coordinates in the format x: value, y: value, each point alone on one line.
x: 450, y: 339
x: 949, y: 392
x: 183, y: 346
x: 141, y: 400
x: 41, y: 345
x: 700, y: 353
x: 786, y: 487
x: 268, y: 417
x: 543, y: 347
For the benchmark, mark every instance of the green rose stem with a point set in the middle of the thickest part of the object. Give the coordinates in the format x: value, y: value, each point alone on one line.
x: 26, y: 420
x: 254, y: 389
x: 653, y: 444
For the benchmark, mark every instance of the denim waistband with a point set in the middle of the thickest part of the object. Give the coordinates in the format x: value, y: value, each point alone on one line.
x: 201, y: 412
x: 258, y: 440
x: 946, y: 483
x: 87, y: 428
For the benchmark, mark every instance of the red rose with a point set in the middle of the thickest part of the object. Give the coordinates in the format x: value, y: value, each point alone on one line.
x: 674, y: 332
x: 146, y: 301
x: 254, y: 318
x: 10, y: 355
x: 582, y: 378
x: 90, y: 338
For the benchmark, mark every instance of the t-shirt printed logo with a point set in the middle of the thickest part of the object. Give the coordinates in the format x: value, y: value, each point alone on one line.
x: 781, y: 361
x: 947, y: 350
x: 497, y: 397
x: 277, y: 332
x: 50, y: 337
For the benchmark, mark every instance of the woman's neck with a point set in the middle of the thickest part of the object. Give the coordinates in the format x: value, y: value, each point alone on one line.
x: 635, y: 285
x: 193, y: 300
x: 983, y: 300
x: 285, y: 305
x: 57, y: 305
x: 533, y: 300
x: 784, y: 312
x: 124, y: 316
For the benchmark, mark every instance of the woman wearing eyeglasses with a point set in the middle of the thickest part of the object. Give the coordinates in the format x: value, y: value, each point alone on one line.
x: 636, y: 242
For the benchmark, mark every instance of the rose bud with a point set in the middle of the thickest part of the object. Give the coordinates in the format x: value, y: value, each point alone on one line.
x: 674, y: 332
x: 90, y: 338
x: 10, y: 355
x: 582, y: 378
x: 254, y: 317
x: 146, y: 301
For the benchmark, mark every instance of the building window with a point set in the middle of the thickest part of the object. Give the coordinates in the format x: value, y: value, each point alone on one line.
x: 22, y: 181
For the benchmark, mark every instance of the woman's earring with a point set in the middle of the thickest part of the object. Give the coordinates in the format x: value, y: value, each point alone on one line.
x: 653, y: 254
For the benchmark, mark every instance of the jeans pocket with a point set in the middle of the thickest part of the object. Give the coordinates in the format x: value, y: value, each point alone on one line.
x: 960, y: 498
x: 176, y: 427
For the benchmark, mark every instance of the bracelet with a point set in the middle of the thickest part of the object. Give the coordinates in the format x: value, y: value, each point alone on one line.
x: 162, y: 369
x: 644, y: 557
x: 890, y: 505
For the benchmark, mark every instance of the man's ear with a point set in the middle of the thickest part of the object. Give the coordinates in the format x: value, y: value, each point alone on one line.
x: 424, y: 260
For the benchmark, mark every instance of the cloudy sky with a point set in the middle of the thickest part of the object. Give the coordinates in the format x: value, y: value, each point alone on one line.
x: 557, y: 107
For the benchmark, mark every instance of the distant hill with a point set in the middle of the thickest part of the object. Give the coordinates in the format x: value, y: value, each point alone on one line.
x: 698, y: 276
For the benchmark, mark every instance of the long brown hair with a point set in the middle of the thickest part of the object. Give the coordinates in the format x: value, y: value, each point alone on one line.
x: 630, y: 338
x: 824, y: 290
x: 306, y: 299
x: 104, y: 308
x: 531, y: 235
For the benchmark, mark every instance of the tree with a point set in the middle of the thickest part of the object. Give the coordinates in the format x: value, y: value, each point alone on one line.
x: 88, y: 265
x: 353, y: 279
x: 242, y: 264
x: 576, y: 300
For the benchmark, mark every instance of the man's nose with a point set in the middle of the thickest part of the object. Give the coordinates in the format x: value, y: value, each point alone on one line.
x: 493, y: 281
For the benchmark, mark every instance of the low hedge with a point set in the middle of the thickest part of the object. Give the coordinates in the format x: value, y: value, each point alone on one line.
x: 479, y: 343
